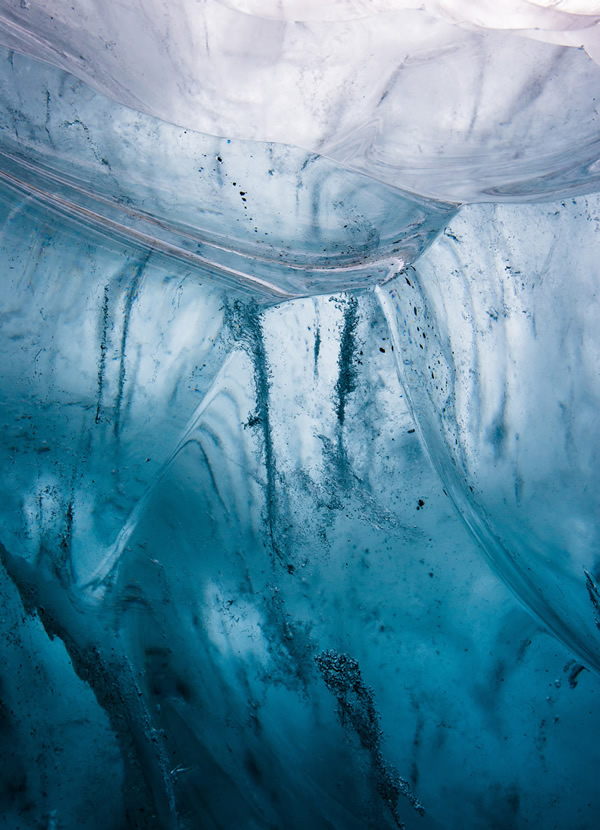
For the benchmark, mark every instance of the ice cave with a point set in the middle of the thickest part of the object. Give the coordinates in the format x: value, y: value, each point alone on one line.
x: 300, y: 371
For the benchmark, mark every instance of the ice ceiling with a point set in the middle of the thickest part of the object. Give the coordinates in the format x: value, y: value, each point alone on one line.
x: 300, y: 335
x: 459, y: 101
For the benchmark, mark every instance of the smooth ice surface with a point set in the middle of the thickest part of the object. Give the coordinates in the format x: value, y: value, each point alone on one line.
x: 453, y: 99
x: 497, y: 326
x: 297, y: 518
x: 236, y: 593
x: 235, y: 211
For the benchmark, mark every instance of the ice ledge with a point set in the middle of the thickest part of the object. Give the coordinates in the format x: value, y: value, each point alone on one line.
x: 272, y: 219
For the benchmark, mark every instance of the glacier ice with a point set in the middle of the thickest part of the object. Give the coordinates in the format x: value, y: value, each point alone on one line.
x: 453, y: 99
x: 500, y: 350
x: 284, y: 284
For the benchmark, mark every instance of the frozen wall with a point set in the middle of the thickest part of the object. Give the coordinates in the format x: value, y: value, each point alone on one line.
x: 236, y: 588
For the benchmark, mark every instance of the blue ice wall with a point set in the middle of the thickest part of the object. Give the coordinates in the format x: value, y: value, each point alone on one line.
x: 236, y: 591
x: 497, y: 325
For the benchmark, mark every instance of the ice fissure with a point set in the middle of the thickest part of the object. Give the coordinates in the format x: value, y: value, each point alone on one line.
x: 298, y: 336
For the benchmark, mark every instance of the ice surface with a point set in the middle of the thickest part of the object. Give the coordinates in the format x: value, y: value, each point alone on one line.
x: 499, y: 343
x: 502, y: 105
x: 236, y: 592
x: 237, y: 211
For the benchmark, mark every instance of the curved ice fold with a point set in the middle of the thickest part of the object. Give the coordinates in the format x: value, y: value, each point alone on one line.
x: 104, y: 354
x: 454, y: 99
x: 271, y: 219
x: 496, y: 333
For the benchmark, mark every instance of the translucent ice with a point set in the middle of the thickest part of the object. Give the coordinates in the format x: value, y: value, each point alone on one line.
x: 461, y: 100
x: 497, y: 327
x: 235, y: 590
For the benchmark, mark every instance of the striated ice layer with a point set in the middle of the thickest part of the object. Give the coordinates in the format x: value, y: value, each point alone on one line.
x: 297, y: 629
x: 496, y: 332
x: 452, y: 99
x: 275, y: 220
x: 104, y: 352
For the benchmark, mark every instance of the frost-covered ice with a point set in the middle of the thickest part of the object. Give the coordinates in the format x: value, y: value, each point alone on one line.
x: 284, y: 285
